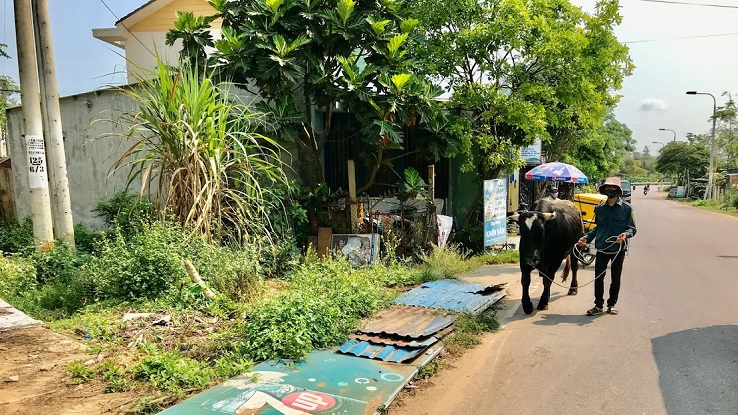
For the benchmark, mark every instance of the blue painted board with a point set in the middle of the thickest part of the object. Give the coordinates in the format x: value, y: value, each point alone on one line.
x: 326, y: 383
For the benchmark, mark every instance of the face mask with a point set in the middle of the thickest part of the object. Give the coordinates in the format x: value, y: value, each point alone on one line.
x: 611, y: 193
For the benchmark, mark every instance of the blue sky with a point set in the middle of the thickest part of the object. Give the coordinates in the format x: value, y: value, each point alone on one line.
x: 82, y: 62
x: 674, y: 51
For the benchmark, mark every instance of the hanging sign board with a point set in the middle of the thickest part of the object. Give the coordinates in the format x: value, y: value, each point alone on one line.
x: 532, y: 153
x: 36, y: 156
x: 495, y: 212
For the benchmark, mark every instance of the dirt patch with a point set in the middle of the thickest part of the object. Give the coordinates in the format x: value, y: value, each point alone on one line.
x: 34, y: 378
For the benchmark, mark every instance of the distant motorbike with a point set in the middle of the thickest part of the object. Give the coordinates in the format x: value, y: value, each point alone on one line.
x: 645, y: 191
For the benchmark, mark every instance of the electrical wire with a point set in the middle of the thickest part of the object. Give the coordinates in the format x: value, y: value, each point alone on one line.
x: 126, y: 27
x: 679, y: 38
x: 686, y: 3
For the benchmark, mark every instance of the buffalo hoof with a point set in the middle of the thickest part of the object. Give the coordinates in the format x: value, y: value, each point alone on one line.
x: 573, y: 291
x: 543, y: 306
x: 528, y: 308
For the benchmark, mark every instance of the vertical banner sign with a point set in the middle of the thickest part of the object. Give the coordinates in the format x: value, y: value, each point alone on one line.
x: 495, y: 212
x: 37, y: 178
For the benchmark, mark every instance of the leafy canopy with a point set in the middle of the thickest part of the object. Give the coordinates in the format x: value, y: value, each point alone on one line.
x: 300, y: 56
x: 680, y: 158
x: 524, y: 69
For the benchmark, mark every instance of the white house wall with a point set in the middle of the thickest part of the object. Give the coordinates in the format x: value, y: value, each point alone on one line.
x: 89, y: 158
x: 141, y: 54
x: 142, y: 58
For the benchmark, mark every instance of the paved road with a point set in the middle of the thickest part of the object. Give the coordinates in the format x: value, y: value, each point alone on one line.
x: 672, y: 350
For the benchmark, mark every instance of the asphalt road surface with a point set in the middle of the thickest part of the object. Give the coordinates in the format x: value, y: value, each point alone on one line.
x: 673, y: 349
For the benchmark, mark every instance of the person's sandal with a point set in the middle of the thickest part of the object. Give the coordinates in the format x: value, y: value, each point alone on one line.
x: 612, y: 310
x: 595, y: 311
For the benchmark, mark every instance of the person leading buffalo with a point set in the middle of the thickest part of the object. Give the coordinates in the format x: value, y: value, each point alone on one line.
x: 615, y: 225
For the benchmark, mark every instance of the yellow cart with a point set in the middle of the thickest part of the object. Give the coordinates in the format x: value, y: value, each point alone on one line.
x: 586, y: 203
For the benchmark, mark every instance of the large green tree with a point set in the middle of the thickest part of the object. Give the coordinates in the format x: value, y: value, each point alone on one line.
x: 306, y: 58
x: 523, y: 69
x: 726, y: 142
x: 679, y: 159
x: 602, y: 152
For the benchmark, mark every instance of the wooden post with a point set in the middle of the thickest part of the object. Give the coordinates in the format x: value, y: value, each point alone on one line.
x: 354, y: 210
x: 432, y: 182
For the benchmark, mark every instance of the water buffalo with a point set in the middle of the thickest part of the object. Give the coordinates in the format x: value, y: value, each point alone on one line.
x: 548, y: 233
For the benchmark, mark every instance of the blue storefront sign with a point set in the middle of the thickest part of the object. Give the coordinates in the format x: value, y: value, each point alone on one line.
x: 495, y: 212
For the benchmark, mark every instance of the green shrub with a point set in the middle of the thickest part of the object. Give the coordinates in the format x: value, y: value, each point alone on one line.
x: 282, y: 258
x: 144, y: 265
x: 58, y: 263
x: 505, y: 256
x: 126, y: 212
x: 85, y: 239
x: 450, y: 261
x: 17, y: 238
x: 233, y: 272
x: 17, y: 277
x: 710, y: 203
x: 467, y: 329
x: 80, y: 373
x: 471, y: 236
x: 48, y: 285
x: 321, y: 307
x: 170, y: 371
x: 150, y: 264
x: 731, y: 199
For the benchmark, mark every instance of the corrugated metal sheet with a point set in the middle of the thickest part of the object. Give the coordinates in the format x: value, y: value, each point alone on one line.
x: 394, y: 341
x: 384, y: 352
x: 461, y: 286
x: 458, y: 300
x: 407, y: 321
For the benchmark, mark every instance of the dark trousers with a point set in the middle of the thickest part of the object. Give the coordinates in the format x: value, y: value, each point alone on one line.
x: 616, y: 269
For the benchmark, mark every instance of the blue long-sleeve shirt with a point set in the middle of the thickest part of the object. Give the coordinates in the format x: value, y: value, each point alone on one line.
x: 611, y: 221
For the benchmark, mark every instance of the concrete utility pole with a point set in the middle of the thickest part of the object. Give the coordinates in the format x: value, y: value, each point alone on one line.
x: 36, y: 154
x: 61, y: 202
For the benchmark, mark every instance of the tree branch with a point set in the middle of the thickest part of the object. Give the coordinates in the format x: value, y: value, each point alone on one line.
x: 375, y: 170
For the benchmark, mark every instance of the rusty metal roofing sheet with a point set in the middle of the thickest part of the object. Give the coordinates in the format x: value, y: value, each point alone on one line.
x: 408, y: 321
x: 389, y: 340
x: 384, y: 352
x: 458, y: 301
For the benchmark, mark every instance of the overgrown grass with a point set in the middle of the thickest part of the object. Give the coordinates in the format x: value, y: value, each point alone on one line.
x: 453, y: 260
x: 85, y: 294
x: 468, y: 328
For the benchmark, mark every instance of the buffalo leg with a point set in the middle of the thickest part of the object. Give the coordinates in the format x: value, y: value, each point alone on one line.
x: 547, y: 280
x: 525, y: 282
x: 574, y: 287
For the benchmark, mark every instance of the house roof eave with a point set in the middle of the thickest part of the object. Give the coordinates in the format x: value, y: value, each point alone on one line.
x: 113, y: 36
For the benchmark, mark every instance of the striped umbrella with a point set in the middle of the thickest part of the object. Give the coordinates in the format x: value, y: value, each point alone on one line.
x: 556, y: 172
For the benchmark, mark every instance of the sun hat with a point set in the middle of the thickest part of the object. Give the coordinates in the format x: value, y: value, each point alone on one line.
x: 611, y: 181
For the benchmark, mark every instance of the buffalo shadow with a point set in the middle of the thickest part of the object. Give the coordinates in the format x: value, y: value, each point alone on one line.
x: 698, y: 370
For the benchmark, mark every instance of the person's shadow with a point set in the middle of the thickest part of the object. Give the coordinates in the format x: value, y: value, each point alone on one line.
x: 698, y: 370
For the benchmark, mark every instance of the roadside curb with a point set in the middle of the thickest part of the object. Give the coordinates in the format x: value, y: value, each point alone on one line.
x: 11, y: 318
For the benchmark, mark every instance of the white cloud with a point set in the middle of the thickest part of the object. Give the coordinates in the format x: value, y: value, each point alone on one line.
x: 652, y: 104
